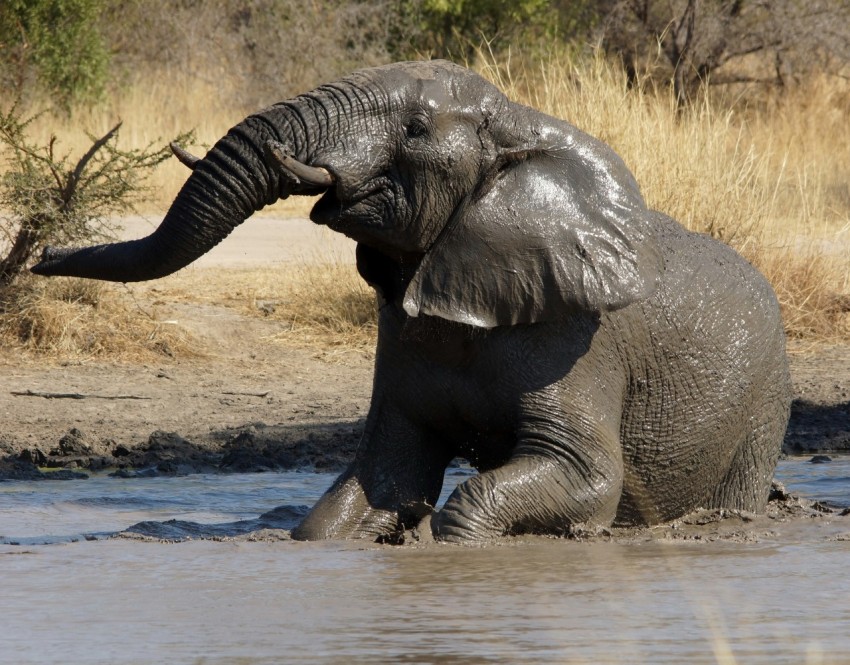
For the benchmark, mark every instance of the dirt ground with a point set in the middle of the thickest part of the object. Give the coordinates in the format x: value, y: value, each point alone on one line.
x: 254, y: 404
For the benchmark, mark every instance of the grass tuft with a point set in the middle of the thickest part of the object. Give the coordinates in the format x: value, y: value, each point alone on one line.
x: 812, y: 289
x: 83, y: 319
x: 321, y: 305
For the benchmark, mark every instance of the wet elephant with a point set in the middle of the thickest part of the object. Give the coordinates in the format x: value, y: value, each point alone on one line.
x: 595, y: 361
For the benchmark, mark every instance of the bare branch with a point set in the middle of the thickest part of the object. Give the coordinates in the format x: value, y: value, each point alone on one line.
x: 698, y: 38
x: 73, y: 179
x: 49, y: 395
x: 50, y: 199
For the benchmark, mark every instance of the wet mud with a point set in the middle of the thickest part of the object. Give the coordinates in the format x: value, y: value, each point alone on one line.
x: 255, y: 448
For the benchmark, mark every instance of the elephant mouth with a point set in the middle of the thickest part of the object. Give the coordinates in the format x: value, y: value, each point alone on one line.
x: 338, y: 209
x: 346, y: 212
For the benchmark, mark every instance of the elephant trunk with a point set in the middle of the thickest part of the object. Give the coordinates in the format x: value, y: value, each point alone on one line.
x: 228, y: 185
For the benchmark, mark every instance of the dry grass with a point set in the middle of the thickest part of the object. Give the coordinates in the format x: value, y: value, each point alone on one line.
x: 734, y: 173
x: 83, y: 319
x: 812, y: 288
x: 324, y: 304
x: 770, y: 178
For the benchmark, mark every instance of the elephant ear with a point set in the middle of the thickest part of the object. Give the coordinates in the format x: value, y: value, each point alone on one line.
x: 558, y: 225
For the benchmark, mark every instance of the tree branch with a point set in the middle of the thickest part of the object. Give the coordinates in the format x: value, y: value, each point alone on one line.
x: 73, y: 179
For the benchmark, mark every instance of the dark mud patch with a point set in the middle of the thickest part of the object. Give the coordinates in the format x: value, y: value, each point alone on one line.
x: 785, y: 512
x: 320, y: 447
x: 254, y: 448
x: 22, y: 469
x: 820, y: 412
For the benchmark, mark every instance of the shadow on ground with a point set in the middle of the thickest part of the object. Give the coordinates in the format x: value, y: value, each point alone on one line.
x: 816, y: 428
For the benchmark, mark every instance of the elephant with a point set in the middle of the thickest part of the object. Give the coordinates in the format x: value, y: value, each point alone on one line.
x: 596, y: 362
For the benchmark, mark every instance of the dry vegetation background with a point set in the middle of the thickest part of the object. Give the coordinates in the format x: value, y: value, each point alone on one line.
x: 767, y: 171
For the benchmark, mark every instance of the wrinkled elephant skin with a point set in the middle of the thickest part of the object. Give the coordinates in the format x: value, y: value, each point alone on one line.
x: 595, y: 361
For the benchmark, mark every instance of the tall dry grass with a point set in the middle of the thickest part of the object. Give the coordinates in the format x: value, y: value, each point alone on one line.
x: 770, y: 176
x: 83, y: 319
x: 777, y: 167
x: 158, y: 106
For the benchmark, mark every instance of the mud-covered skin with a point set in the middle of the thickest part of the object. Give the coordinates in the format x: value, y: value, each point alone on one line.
x: 595, y: 361
x: 591, y: 420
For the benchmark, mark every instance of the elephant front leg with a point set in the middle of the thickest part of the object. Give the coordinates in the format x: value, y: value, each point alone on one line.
x: 549, y: 484
x: 344, y: 511
x: 398, y: 469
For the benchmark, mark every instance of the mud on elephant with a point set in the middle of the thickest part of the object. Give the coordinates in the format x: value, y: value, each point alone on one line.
x: 595, y: 361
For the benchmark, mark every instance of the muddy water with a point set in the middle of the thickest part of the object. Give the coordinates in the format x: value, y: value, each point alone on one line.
x: 783, y: 599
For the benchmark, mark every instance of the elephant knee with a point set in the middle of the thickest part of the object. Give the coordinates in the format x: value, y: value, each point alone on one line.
x: 468, y: 516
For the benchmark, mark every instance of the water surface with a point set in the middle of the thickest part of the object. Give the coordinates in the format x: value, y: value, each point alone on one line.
x: 783, y: 599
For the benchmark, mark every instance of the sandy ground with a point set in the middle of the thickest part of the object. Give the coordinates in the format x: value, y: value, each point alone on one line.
x: 262, y: 241
x: 253, y: 404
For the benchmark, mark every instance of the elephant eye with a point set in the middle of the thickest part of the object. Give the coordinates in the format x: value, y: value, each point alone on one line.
x: 416, y: 128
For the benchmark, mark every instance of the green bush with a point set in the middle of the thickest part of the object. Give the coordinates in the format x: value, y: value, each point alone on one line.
x: 53, y: 46
x: 455, y: 28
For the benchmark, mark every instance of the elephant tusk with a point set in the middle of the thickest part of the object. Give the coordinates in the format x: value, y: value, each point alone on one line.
x: 293, y: 170
x: 184, y: 156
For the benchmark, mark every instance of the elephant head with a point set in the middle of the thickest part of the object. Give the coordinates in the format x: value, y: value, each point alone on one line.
x: 465, y: 205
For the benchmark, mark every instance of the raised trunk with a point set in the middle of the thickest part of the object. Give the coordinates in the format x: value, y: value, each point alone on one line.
x: 225, y: 188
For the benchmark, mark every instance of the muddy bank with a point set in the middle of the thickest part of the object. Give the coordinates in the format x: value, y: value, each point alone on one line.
x: 258, y: 447
x: 818, y: 428
x: 263, y: 408
x: 820, y: 412
x: 255, y: 448
x: 251, y: 403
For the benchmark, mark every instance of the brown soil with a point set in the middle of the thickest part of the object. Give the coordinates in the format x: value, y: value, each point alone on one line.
x: 254, y: 404
x: 250, y: 405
